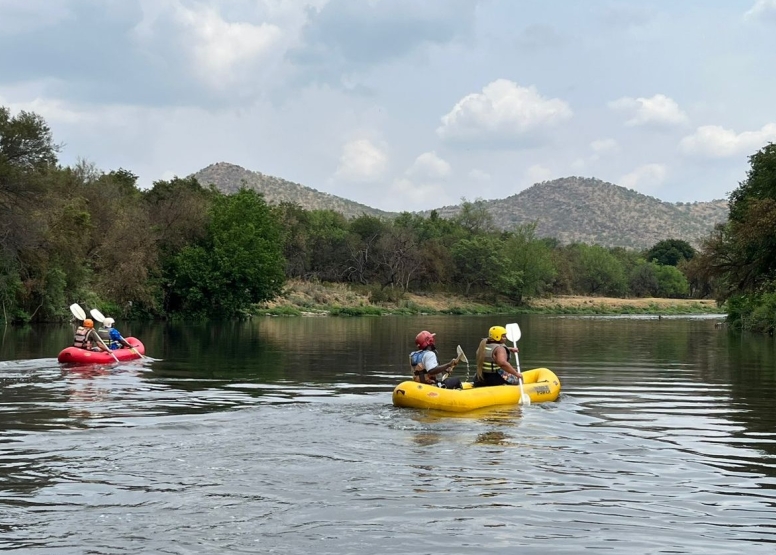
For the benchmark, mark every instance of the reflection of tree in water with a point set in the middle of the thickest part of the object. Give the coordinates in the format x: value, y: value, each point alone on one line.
x: 426, y: 438
x: 494, y: 438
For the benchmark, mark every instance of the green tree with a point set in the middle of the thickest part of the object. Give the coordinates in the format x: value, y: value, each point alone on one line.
x: 479, y: 261
x: 740, y: 256
x: 670, y: 252
x: 31, y: 281
x: 475, y: 217
x: 642, y: 280
x: 530, y: 264
x: 363, y: 243
x: 240, y: 261
x: 178, y: 211
x: 599, y: 272
x: 671, y: 282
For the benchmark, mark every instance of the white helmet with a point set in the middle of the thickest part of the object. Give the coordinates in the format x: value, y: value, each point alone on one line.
x: 108, y: 322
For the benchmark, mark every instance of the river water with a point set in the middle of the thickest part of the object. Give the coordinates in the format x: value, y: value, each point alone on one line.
x: 278, y: 435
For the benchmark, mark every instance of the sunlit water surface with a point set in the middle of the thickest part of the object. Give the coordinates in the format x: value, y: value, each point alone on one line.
x: 278, y: 436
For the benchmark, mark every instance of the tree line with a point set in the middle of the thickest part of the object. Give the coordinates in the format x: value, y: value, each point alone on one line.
x: 179, y: 249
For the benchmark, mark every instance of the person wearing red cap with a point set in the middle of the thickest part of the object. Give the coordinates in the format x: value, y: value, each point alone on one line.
x: 425, y: 366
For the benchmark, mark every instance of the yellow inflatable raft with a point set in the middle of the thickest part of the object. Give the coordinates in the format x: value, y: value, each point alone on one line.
x: 541, y: 385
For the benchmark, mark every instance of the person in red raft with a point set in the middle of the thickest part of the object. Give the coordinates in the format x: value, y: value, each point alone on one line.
x: 111, y: 336
x: 86, y: 337
x: 425, y: 366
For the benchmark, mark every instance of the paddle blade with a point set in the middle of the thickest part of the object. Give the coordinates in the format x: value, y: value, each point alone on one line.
x: 513, y: 332
x: 461, y: 355
x: 97, y: 315
x: 77, y: 311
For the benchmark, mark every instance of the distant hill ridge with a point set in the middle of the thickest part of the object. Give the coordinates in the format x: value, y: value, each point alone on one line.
x: 571, y: 209
x: 588, y: 210
x: 229, y: 178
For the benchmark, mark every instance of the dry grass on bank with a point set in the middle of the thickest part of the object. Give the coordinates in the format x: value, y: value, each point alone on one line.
x: 312, y: 298
x: 614, y: 303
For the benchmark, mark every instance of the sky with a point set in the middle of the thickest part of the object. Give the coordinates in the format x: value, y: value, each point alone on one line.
x: 403, y: 104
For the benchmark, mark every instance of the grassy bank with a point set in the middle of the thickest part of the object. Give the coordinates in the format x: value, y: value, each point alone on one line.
x: 302, y: 298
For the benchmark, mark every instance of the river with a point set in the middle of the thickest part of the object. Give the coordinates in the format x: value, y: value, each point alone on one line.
x: 277, y: 435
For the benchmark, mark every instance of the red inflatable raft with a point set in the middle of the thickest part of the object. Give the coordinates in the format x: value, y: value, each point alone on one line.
x: 74, y: 355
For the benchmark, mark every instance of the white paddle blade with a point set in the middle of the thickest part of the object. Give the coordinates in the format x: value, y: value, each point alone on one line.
x: 77, y: 311
x: 526, y: 399
x: 513, y: 332
x: 97, y: 315
x: 461, y: 355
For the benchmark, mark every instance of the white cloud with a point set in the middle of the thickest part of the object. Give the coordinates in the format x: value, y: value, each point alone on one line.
x: 537, y: 173
x: 645, y: 178
x: 579, y: 165
x: 411, y: 193
x: 713, y: 141
x: 502, y: 111
x: 602, y: 146
x: 198, y: 38
x: 762, y: 9
x: 219, y: 48
x: 361, y: 161
x: 57, y: 111
x: 658, y: 110
x: 429, y: 166
x: 479, y: 175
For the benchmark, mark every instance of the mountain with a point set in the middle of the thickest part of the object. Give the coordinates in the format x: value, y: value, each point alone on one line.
x: 571, y: 209
x: 229, y: 178
x: 585, y: 210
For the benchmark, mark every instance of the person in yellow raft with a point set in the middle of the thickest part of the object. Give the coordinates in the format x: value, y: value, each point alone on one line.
x: 425, y: 366
x: 493, y: 367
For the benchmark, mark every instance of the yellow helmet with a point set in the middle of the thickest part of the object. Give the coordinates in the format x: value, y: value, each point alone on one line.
x: 496, y: 333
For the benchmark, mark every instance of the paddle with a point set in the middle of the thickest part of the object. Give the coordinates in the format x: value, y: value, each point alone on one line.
x: 97, y: 315
x: 461, y: 357
x: 513, y: 334
x: 79, y: 313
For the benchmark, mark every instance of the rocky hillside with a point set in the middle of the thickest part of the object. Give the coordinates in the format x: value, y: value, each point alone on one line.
x: 572, y: 209
x: 229, y: 178
x: 576, y: 209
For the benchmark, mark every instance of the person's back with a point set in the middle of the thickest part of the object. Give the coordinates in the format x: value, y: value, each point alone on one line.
x: 493, y: 366
x: 104, y: 333
x: 111, y: 336
x: 82, y: 338
x: 86, y: 337
x: 425, y: 366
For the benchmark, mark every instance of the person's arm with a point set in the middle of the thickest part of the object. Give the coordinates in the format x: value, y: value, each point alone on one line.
x: 443, y: 367
x: 501, y: 356
x: 115, y: 335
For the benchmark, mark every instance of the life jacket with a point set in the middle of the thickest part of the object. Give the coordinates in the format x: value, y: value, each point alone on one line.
x: 104, y: 334
x: 489, y: 366
x: 419, y: 372
x: 82, y: 339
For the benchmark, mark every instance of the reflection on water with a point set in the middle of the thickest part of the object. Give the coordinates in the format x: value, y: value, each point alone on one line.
x: 278, y: 435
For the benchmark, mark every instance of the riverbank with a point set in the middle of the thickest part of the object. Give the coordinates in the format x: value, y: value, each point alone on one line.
x: 302, y: 298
